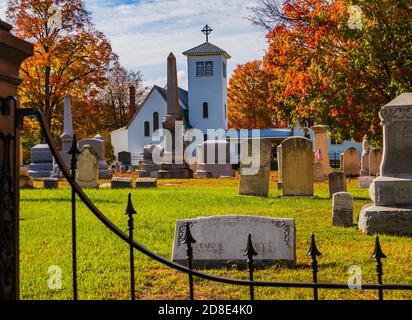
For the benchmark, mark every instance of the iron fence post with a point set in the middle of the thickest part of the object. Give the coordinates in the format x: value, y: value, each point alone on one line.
x: 379, y: 255
x: 189, y: 240
x: 314, y: 252
x: 130, y: 211
x: 250, y: 252
x: 74, y: 151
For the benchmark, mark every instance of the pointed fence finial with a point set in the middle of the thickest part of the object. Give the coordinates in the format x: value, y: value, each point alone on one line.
x: 250, y: 251
x: 378, y: 253
x: 130, y: 209
x: 313, y: 250
x: 188, y: 238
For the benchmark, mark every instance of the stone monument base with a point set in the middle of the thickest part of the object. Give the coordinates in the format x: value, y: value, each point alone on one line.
x: 390, y: 220
x: 214, y: 170
x: 174, y: 171
x: 147, y: 168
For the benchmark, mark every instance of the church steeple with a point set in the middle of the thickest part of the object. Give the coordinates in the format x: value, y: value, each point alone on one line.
x: 207, y: 82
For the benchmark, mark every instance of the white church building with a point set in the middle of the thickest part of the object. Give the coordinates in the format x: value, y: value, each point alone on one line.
x: 203, y: 106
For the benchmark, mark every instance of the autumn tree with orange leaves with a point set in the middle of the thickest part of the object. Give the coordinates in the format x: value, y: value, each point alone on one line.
x: 70, y: 55
x: 323, y: 71
x: 248, y: 97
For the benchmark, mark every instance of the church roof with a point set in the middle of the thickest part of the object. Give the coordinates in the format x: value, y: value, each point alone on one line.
x: 183, y: 97
x: 206, y: 48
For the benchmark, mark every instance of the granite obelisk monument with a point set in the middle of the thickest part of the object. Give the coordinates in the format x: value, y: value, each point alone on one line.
x: 175, y: 167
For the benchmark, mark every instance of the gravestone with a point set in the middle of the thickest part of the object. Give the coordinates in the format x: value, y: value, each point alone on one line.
x: 147, y: 167
x: 41, y: 161
x: 297, y: 168
x: 214, y: 160
x: 125, y: 158
x: 342, y: 209
x: 122, y: 183
x: 97, y: 144
x: 391, y: 192
x: 221, y: 241
x: 257, y: 184
x: 87, y: 168
x: 365, y: 182
x: 375, y: 161
x: 318, y: 172
x: 337, y: 183
x: 146, y: 183
x: 351, y: 162
x: 279, y: 158
x: 322, y: 147
x: 364, y: 171
x: 51, y: 183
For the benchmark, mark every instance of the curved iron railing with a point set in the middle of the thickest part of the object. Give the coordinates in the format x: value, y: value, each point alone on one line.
x: 249, y: 252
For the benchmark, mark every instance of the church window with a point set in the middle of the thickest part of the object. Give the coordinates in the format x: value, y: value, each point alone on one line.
x: 205, y: 110
x: 224, y: 70
x: 200, y: 69
x: 209, y: 68
x: 156, y: 123
x: 147, y: 129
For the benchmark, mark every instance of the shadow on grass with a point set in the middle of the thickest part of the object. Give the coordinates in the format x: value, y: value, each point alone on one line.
x: 69, y: 200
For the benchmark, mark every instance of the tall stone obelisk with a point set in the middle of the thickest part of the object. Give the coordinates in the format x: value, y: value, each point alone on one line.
x: 67, y: 136
x: 176, y: 168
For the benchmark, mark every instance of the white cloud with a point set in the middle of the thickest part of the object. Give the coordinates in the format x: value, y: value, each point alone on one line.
x: 143, y: 33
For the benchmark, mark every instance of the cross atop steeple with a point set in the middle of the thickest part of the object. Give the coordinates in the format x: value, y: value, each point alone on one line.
x: 207, y: 30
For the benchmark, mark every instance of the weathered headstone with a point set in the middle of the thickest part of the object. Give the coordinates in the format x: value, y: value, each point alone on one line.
x: 121, y: 183
x: 351, y: 162
x: 364, y: 171
x: 221, y: 241
x: 258, y: 184
x: 375, y: 161
x: 337, y: 182
x: 125, y: 158
x: 214, y: 159
x: 51, y: 183
x: 279, y: 158
x: 147, y: 166
x: 342, y: 209
x: 318, y: 172
x: 391, y: 192
x: 98, y: 145
x: 297, y: 168
x: 146, y: 183
x: 41, y: 161
x: 322, y: 147
x: 87, y: 168
x: 365, y: 182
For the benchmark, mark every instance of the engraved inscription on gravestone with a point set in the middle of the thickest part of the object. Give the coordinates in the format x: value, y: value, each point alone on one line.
x: 221, y: 240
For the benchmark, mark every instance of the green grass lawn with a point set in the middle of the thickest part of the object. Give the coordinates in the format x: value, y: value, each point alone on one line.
x: 103, y: 265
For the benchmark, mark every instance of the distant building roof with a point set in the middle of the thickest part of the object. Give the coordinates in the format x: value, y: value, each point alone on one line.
x: 206, y: 48
x: 183, y: 96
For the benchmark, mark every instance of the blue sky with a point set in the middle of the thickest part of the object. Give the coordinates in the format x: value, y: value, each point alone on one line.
x: 144, y: 32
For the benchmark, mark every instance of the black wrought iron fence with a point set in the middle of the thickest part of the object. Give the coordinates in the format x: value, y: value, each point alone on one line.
x: 249, y: 252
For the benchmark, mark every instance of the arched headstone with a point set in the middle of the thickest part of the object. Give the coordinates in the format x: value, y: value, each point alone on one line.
x: 351, y: 162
